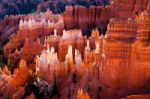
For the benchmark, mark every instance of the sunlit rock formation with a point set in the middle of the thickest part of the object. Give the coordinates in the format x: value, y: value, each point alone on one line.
x: 125, y: 56
x: 88, y: 18
x: 117, y: 51
x: 52, y: 40
x: 128, y: 9
x: 73, y: 55
x: 146, y: 96
x: 112, y: 65
x: 140, y: 48
x: 11, y: 85
x: 71, y: 37
x: 74, y: 67
x: 48, y: 65
x: 82, y: 95
x: 32, y: 27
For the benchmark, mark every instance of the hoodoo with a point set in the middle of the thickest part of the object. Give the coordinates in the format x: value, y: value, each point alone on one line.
x: 92, y: 50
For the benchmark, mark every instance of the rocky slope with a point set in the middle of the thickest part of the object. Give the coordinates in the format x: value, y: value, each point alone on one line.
x: 57, y: 63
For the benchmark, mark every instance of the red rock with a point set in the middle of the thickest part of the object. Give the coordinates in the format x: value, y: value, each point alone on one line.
x: 14, y: 58
x: 6, y: 71
x: 127, y: 9
x: 123, y: 57
x: 81, y: 95
x: 20, y: 75
x: 32, y: 96
x: 51, y: 67
x: 19, y: 93
x: 69, y: 38
x: 33, y: 27
x: 31, y: 49
x: 113, y: 65
x: 84, y: 18
x: 68, y: 17
x: 147, y: 96
x: 52, y: 41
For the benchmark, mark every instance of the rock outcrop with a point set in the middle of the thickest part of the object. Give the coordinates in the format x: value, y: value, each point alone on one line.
x: 11, y: 85
x: 62, y: 62
x: 147, y: 96
x: 31, y: 28
x: 81, y: 95
x: 98, y: 16
x: 126, y: 57
x: 128, y: 9
x: 86, y: 18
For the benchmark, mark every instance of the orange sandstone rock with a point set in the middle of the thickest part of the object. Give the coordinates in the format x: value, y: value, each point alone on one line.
x: 82, y: 95
x: 20, y: 75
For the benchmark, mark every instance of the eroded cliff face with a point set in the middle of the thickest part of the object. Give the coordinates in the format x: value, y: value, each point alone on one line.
x: 126, y: 58
x: 117, y: 51
x: 87, y: 18
x: 69, y: 65
x: 128, y: 9
x: 98, y: 16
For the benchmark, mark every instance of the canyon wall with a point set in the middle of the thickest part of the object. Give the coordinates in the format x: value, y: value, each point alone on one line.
x: 110, y: 66
x: 87, y: 18
x: 98, y: 16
